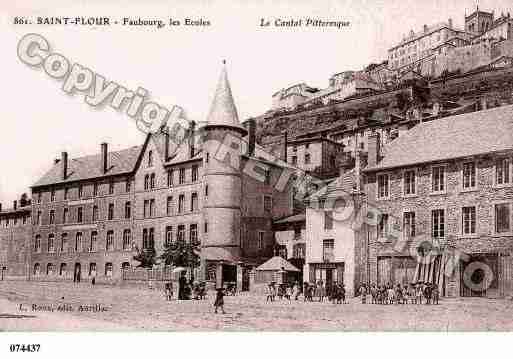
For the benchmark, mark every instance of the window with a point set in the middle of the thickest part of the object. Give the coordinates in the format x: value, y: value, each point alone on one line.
x: 64, y: 243
x: 78, y: 242
x: 268, y: 203
x: 194, y: 202
x: 127, y: 239
x: 37, y: 269
x: 328, y: 246
x: 65, y: 215
x: 93, y: 241
x: 128, y: 210
x: 39, y: 197
x: 181, y: 201
x: 438, y: 179
x: 469, y: 175
x: 298, y: 250
x: 261, y: 235
x: 52, y: 216
x: 109, y: 241
x: 267, y: 178
x: 52, y: 196
x: 206, y: 190
x: 468, y: 220
x: 409, y: 182
x: 145, y: 208
x: 205, y: 227
x: 92, y: 269
x: 62, y: 270
x: 152, y: 181
x: 169, y: 205
x: 95, y: 189
x: 181, y: 176
x: 79, y: 214
x: 328, y: 220
x: 383, y: 186
x: 95, y: 213
x: 152, y: 207
x: 128, y: 185
x: 38, y: 218
x: 409, y: 224
x: 110, y: 215
x: 80, y: 191
x: 502, y: 218
x: 169, y: 236
x: 146, y: 182
x: 111, y: 187
x: 66, y: 193
x: 194, y: 173
x: 108, y: 269
x: 502, y: 171
x: 148, y: 238
x: 150, y: 158
x: 51, y: 243
x: 169, y: 178
x: 151, y: 238
x: 193, y: 233
x: 180, y: 233
x: 125, y: 266
x: 24, y: 219
x: 145, y: 239
x: 307, y: 159
x: 294, y: 160
x: 438, y: 223
x: 37, y: 244
x: 383, y: 226
x: 49, y: 269
x: 207, y: 158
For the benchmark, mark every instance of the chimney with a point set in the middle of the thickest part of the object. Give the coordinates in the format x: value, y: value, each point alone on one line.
x: 425, y: 28
x: 192, y: 130
x: 450, y: 23
x: 285, y: 144
x: 104, y: 157
x: 15, y: 205
x: 373, y: 149
x: 166, y: 143
x: 251, y: 136
x: 64, y: 164
x: 0, y: 207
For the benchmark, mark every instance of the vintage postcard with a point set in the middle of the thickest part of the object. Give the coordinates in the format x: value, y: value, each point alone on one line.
x: 283, y: 166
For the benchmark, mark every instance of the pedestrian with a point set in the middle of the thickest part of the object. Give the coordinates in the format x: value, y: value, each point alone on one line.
x: 269, y: 293
x: 219, y: 303
x: 182, y: 282
x: 427, y: 293
x: 391, y: 295
x: 398, y: 294
x: 288, y: 292
x: 343, y: 293
x: 418, y: 293
x: 169, y: 290
x: 93, y: 281
x: 296, y: 291
x: 363, y: 293
x: 435, y: 294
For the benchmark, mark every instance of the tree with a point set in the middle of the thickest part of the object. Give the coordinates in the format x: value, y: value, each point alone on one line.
x: 181, y: 254
x: 145, y: 257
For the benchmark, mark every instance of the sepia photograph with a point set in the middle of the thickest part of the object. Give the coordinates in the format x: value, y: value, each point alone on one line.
x: 256, y: 166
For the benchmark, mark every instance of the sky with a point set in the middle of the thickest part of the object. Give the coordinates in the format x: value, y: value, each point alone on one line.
x: 181, y: 65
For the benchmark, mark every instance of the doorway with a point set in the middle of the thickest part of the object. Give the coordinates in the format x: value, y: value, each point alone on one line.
x: 77, y: 276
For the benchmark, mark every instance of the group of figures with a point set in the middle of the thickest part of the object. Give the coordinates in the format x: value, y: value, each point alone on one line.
x: 186, y: 290
x: 336, y: 292
x: 413, y: 293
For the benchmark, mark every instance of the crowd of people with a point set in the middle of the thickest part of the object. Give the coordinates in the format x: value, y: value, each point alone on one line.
x: 413, y: 293
x: 336, y: 292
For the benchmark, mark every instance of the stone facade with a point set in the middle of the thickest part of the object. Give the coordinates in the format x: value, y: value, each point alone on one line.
x: 15, y: 232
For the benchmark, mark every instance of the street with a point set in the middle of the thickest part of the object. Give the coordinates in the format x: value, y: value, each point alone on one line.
x: 143, y: 309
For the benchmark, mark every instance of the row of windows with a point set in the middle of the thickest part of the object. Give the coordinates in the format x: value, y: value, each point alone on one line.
x: 14, y: 221
x: 78, y: 245
x: 439, y: 181
x: 150, y: 179
x: 63, y: 269
x: 307, y: 161
x: 80, y: 214
x: 80, y: 191
x: 502, y: 222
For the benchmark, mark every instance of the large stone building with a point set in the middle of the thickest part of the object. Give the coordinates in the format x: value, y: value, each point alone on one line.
x: 15, y: 234
x: 450, y: 200
x: 215, y: 188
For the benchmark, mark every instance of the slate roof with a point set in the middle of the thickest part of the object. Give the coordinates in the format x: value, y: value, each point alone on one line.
x: 276, y: 263
x: 88, y: 167
x: 344, y: 184
x: 301, y: 217
x: 452, y: 137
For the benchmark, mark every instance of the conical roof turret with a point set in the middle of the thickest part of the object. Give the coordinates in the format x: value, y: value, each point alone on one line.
x: 223, y: 111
